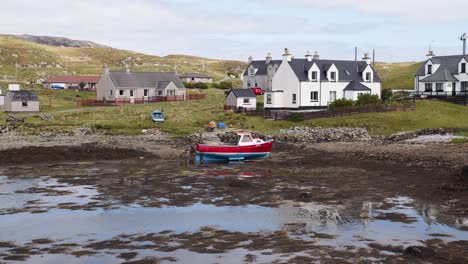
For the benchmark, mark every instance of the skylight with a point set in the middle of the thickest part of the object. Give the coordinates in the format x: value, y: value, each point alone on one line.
x: 347, y: 73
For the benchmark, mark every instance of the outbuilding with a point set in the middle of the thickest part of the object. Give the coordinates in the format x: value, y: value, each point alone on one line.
x: 21, y: 101
x: 241, y: 98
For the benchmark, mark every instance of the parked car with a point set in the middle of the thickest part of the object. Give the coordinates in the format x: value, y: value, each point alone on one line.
x: 257, y: 90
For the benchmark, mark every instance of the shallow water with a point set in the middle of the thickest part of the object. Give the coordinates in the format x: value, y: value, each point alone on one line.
x: 47, y: 207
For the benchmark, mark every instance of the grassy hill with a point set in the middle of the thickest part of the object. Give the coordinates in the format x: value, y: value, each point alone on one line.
x: 37, y: 61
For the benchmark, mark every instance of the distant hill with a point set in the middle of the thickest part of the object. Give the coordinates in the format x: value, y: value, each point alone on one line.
x: 39, y: 57
x: 59, y: 41
x: 39, y: 61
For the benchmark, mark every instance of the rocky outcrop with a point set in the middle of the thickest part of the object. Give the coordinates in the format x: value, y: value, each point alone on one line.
x: 318, y: 134
x: 429, y: 131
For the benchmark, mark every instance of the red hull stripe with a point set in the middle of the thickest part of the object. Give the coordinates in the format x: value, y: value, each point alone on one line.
x: 265, y: 147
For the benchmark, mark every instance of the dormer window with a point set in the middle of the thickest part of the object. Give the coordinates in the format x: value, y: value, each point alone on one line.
x: 333, y: 76
x: 314, y: 76
x: 429, y: 69
x: 251, y: 71
x: 368, y: 77
x: 463, y: 68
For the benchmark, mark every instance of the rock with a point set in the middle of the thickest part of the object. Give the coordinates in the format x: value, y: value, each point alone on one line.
x: 464, y: 173
x: 82, y: 131
x: 318, y: 134
x: 152, y: 132
x: 14, y: 120
x: 419, y: 251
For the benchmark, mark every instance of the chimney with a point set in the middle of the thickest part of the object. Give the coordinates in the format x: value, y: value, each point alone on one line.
x: 366, y: 58
x: 105, y: 69
x: 430, y: 54
x: 127, y: 69
x: 316, y: 56
x: 308, y: 56
x: 268, y: 58
x: 286, y: 56
x: 250, y: 59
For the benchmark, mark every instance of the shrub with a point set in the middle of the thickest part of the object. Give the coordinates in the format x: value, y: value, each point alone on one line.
x: 400, y: 96
x: 367, y: 99
x: 387, y: 95
x: 225, y: 85
x: 341, y: 103
x: 296, y: 117
x: 188, y: 85
x: 82, y: 85
x: 200, y: 85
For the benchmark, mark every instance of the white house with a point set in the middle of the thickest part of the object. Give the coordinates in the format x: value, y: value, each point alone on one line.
x: 260, y: 73
x: 447, y: 75
x: 241, y: 98
x: 143, y: 85
x: 315, y: 83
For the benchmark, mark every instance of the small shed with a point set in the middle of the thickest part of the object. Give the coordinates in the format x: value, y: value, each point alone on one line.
x: 241, y: 98
x: 21, y: 101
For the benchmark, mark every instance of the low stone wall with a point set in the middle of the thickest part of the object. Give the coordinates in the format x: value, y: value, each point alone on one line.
x: 318, y: 134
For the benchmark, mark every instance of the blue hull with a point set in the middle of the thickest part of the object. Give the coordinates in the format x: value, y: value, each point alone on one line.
x: 230, y: 156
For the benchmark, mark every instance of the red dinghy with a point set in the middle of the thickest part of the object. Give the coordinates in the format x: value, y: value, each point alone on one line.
x: 247, y: 147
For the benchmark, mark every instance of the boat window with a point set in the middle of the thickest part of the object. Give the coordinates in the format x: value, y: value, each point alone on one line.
x: 246, y: 139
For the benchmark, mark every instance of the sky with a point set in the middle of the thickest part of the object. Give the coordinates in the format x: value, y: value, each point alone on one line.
x: 398, y: 30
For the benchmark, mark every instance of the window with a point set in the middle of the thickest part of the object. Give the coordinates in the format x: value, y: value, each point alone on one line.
x: 368, y: 76
x: 333, y: 76
x: 246, y: 139
x: 251, y: 71
x: 193, y: 78
x: 248, y: 84
x: 268, y: 99
x: 359, y: 94
x: 256, y: 85
x: 293, y: 98
x: 111, y: 92
x: 131, y: 93
x: 246, y: 100
x: 160, y: 93
x: 332, y: 96
x: 145, y: 92
x: 463, y: 68
x: 314, y: 76
x: 439, y: 87
x: 24, y: 104
x: 464, y: 86
x: 428, y: 87
x: 429, y: 69
x: 121, y: 92
x: 313, y: 96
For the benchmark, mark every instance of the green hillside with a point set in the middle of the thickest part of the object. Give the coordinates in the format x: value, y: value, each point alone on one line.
x: 37, y: 61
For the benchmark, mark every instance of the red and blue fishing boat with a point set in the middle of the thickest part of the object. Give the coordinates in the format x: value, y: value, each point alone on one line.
x: 247, y: 147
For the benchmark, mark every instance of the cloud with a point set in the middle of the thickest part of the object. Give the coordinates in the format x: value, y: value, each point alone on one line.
x: 431, y: 11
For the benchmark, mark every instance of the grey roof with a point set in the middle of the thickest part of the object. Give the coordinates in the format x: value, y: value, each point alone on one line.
x: 347, y: 70
x: 22, y: 96
x: 162, y: 85
x: 144, y: 79
x: 446, y: 71
x: 195, y: 75
x: 243, y: 92
x: 262, y: 66
x: 302, y: 66
x: 356, y: 86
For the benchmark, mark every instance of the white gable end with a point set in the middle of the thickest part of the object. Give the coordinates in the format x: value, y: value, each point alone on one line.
x: 316, y: 69
x: 334, y: 69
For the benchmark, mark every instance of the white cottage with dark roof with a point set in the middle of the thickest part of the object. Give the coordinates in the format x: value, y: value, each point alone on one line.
x: 315, y: 83
x: 443, y: 75
x: 241, y: 98
x: 143, y: 85
x: 21, y: 101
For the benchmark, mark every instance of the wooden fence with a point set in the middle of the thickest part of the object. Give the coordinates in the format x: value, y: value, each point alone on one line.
x: 456, y: 97
x: 284, y: 115
x: 140, y: 100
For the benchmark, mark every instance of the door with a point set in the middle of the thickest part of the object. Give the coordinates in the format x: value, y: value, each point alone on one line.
x: 332, y: 96
x: 454, y: 90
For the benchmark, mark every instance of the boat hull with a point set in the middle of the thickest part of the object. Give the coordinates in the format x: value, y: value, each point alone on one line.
x: 233, y: 153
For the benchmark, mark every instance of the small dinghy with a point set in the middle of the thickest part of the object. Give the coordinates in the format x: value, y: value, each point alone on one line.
x: 157, y: 116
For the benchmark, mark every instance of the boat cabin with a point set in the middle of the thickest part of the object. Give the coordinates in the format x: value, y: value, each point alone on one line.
x: 246, y: 139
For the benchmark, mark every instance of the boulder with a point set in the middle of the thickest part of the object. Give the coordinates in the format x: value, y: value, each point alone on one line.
x: 419, y: 251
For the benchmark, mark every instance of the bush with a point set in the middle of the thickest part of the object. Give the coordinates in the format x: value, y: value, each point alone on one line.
x: 341, y: 103
x: 296, y: 117
x: 82, y: 85
x: 225, y: 85
x: 367, y: 99
x: 200, y: 85
x: 188, y: 85
x: 400, y: 96
x: 387, y: 95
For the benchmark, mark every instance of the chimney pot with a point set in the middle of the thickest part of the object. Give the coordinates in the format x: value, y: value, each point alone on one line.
x: 268, y: 58
x: 316, y: 56
x: 286, y: 56
x: 308, y: 56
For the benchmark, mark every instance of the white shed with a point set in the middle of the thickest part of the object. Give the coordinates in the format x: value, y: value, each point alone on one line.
x: 241, y: 98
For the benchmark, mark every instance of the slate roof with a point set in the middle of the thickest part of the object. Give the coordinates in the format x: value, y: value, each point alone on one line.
x: 261, y: 66
x: 446, y: 71
x: 144, y: 79
x: 73, y: 79
x: 22, y: 96
x: 162, y: 85
x: 347, y: 70
x: 356, y: 86
x: 195, y: 75
x: 243, y: 92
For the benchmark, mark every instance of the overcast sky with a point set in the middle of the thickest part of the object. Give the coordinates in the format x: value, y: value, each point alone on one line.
x: 399, y: 30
